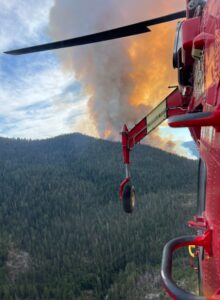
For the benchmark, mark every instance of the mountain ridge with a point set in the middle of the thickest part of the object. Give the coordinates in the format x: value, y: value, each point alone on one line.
x: 60, y: 210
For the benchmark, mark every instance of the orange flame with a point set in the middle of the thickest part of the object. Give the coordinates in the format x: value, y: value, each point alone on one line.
x: 124, y: 78
x: 107, y: 133
x: 152, y: 73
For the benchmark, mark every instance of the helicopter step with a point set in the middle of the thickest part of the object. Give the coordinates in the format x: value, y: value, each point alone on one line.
x: 198, y: 119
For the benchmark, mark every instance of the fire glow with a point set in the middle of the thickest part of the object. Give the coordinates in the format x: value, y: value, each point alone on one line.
x: 126, y: 78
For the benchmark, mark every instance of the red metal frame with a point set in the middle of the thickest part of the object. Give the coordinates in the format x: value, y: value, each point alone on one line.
x: 173, y: 290
x: 175, y: 105
x: 200, y: 113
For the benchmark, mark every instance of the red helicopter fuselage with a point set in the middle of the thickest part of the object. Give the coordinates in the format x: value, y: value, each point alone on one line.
x: 201, y: 52
x: 195, y: 104
x: 207, y: 99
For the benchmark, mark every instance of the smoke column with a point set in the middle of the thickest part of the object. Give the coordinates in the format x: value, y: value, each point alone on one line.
x: 123, y: 78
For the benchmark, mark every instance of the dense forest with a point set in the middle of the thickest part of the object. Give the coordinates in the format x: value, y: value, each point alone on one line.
x: 63, y: 233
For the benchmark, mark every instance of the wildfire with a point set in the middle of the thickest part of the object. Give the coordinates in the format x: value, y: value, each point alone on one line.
x: 125, y: 78
x: 151, y: 75
x: 152, y: 66
x: 107, y: 133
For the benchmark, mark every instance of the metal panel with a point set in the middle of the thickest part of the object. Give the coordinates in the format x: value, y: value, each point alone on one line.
x: 157, y: 116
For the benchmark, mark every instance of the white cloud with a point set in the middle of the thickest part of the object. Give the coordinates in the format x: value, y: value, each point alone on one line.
x: 22, y: 21
x: 37, y: 104
x: 37, y: 98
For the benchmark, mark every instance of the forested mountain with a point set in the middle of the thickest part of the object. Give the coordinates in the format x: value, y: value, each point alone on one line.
x: 63, y: 234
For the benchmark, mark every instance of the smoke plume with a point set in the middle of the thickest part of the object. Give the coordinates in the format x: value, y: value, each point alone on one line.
x: 123, y: 78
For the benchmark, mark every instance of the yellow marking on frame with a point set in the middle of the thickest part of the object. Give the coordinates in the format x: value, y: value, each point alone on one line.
x: 157, y: 116
x: 191, y: 252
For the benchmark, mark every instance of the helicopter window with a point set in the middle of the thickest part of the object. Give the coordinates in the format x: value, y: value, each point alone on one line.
x: 185, y: 76
x: 177, y: 46
x: 195, y: 7
x: 184, y: 71
x: 201, y: 188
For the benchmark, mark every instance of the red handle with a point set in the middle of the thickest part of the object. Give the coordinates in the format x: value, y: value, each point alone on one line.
x: 166, y: 267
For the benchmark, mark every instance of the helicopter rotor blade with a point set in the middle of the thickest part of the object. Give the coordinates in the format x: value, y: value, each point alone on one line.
x: 129, y: 30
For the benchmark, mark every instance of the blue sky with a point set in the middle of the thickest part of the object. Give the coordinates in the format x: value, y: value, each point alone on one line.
x: 39, y: 97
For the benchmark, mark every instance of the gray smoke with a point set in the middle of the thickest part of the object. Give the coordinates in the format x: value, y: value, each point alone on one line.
x: 105, y: 70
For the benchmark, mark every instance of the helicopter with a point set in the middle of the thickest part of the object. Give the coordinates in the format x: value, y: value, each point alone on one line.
x: 194, y: 104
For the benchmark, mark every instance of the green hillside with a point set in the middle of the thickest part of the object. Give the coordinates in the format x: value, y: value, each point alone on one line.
x: 63, y: 234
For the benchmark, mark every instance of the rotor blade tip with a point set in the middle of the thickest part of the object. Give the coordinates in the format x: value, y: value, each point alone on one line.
x: 9, y: 53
